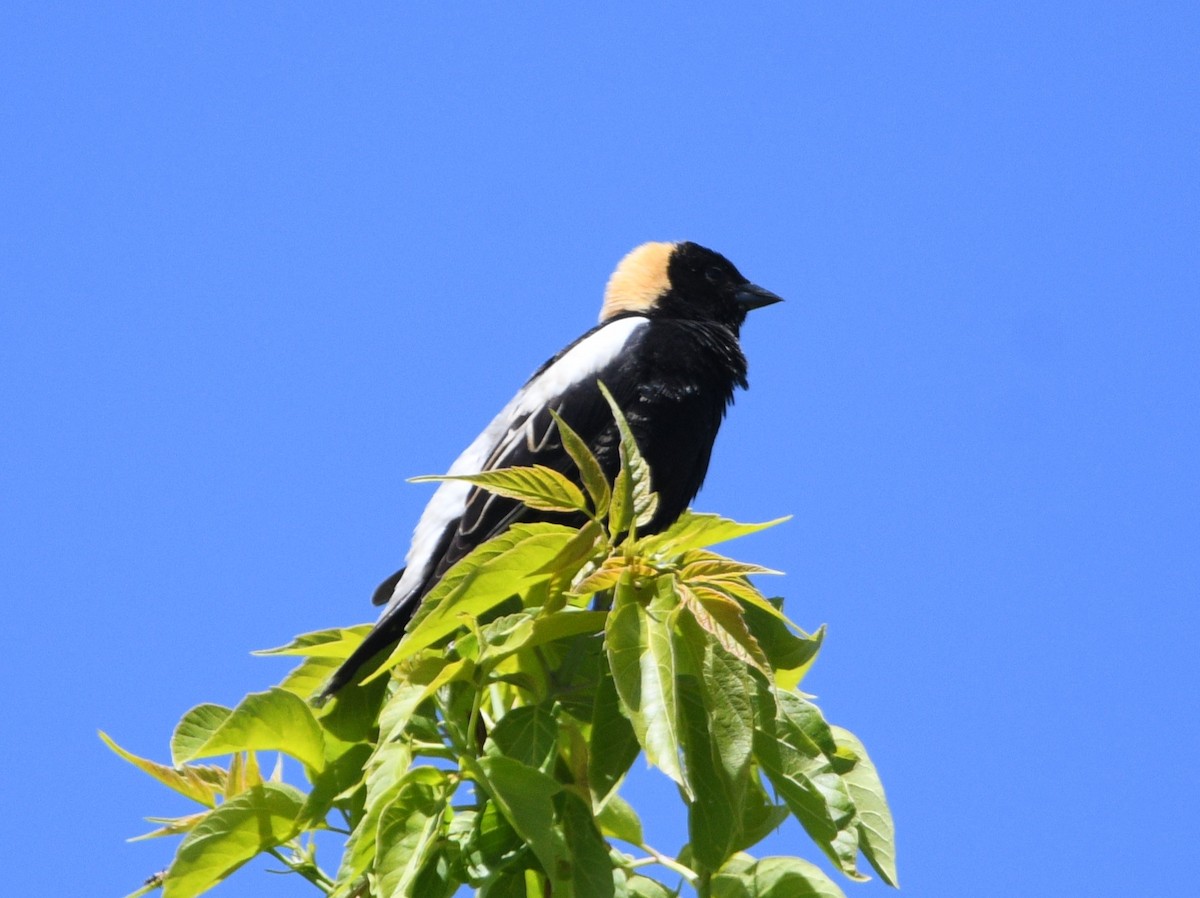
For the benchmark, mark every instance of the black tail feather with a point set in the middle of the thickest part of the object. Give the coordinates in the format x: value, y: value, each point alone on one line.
x: 383, y: 592
x: 378, y: 642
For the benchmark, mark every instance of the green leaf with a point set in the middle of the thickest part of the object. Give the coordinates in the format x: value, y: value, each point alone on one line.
x: 502, y: 567
x: 722, y: 618
x: 563, y: 624
x: 614, y: 744
x: 591, y: 869
x: 199, y: 784
x: 274, y: 720
x: 715, y: 812
x: 439, y: 878
x: 337, y: 643
x: 537, y: 487
x: 195, y: 728
x: 773, y: 877
x: 150, y: 885
x: 590, y: 471
x: 641, y: 655
x: 352, y: 715
x: 172, y: 826
x: 340, y: 776
x: 620, y: 507
x: 526, y: 798
x: 419, y: 679
x: 511, y: 884
x: 806, y: 780
x: 745, y: 592
x: 760, y: 815
x: 808, y: 717
x: 605, y: 576
x: 790, y: 656
x: 694, y: 530
x: 252, y: 822
x: 491, y: 844
x: 702, y: 564
x: 385, y: 774
x: 876, y: 831
x: 309, y: 676
x: 719, y: 710
x: 637, y: 886
x: 618, y: 820
x: 633, y: 500
x: 579, y: 550
x: 528, y: 734
x: 408, y: 830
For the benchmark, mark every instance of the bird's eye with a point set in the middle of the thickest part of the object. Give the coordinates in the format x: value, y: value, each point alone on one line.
x: 714, y: 275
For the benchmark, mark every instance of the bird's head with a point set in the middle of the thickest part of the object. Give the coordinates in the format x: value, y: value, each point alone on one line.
x: 682, y: 280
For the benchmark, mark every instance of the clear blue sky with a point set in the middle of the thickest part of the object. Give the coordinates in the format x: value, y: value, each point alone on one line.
x: 259, y: 263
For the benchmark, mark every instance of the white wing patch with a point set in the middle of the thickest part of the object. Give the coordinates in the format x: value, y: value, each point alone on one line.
x: 583, y: 360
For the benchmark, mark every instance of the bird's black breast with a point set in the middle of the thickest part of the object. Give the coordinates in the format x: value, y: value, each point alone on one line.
x: 674, y: 387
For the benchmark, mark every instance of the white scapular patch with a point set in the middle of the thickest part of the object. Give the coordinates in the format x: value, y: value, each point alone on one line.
x: 582, y: 361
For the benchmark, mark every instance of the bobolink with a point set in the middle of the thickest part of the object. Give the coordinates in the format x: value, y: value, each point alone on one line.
x: 666, y: 348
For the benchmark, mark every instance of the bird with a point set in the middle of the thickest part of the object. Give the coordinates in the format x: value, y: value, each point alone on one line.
x: 667, y: 347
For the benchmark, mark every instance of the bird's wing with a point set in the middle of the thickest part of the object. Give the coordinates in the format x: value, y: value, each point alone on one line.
x: 459, y: 517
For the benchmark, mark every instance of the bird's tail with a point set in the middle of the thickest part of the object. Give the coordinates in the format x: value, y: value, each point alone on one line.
x: 383, y: 636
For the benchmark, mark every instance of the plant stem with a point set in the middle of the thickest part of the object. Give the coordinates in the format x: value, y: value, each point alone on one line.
x: 311, y: 872
x: 670, y: 863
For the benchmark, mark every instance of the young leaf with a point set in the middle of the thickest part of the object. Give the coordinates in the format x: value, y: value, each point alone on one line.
x: 195, y: 728
x: 745, y: 592
x: 420, y: 682
x: 502, y: 567
x: 876, y: 831
x: 638, y: 502
x: 274, y: 720
x: 590, y: 471
x: 187, y: 781
x: 336, y: 644
x: 577, y: 552
x: 694, y: 530
x: 172, y: 826
x: 721, y: 617
x: 702, y: 564
x: 252, y: 822
x: 308, y: 676
x: 603, y: 577
x: 536, y: 486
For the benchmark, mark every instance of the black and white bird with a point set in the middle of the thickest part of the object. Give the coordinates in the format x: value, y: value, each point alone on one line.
x: 666, y: 348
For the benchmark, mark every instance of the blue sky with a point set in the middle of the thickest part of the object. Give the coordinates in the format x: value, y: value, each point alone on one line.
x: 259, y: 264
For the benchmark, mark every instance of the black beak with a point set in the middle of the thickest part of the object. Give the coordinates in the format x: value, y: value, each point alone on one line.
x: 752, y: 296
